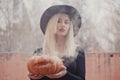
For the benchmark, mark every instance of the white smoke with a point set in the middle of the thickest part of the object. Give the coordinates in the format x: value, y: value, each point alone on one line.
x: 100, y: 21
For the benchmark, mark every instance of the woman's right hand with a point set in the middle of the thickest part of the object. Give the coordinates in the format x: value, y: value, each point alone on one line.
x: 35, y: 76
x: 58, y: 74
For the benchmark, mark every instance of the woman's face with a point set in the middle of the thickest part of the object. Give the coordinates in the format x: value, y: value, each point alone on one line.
x: 63, y: 25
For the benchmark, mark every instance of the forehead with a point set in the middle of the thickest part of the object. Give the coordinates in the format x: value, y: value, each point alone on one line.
x: 63, y: 16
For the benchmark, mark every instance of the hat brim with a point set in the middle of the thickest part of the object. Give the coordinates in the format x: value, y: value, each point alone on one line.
x: 72, y: 12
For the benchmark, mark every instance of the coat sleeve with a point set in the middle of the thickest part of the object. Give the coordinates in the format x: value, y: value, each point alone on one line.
x: 80, y: 71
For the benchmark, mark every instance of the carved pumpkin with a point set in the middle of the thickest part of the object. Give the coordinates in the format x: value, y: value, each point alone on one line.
x: 44, y: 64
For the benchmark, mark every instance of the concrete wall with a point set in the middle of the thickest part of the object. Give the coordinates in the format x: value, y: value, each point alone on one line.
x: 19, y: 24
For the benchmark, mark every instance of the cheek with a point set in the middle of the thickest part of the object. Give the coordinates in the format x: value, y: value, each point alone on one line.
x: 68, y: 27
x: 58, y: 26
x: 57, y: 29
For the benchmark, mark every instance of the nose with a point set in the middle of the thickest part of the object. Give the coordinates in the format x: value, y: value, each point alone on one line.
x: 63, y: 24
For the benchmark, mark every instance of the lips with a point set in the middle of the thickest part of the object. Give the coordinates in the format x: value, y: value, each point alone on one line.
x: 62, y: 30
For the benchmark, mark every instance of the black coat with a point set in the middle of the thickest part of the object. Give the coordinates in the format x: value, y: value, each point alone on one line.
x: 75, y: 69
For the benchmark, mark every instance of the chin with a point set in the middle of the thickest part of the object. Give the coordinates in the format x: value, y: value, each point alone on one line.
x: 63, y: 34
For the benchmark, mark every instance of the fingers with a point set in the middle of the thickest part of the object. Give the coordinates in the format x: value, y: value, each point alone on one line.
x: 61, y: 73
x: 34, y: 76
x: 63, y: 67
x: 58, y: 75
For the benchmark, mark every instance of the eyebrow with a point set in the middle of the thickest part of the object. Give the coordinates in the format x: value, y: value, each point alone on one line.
x: 65, y: 19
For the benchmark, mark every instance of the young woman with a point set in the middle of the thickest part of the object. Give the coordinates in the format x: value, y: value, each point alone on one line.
x: 59, y: 40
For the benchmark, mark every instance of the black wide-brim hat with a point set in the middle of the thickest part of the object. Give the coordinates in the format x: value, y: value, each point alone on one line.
x: 71, y: 11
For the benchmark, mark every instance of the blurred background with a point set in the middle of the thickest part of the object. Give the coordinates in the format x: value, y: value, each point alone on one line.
x: 99, y: 36
x: 20, y: 24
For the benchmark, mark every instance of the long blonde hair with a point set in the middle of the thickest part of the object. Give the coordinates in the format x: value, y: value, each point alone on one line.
x: 50, y: 42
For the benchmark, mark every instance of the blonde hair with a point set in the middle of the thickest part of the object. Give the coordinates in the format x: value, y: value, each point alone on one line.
x: 50, y: 42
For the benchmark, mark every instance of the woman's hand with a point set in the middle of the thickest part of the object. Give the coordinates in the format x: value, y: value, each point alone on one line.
x: 34, y: 76
x: 59, y: 74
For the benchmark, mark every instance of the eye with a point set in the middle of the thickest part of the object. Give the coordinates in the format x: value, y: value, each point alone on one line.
x: 67, y: 22
x: 59, y: 21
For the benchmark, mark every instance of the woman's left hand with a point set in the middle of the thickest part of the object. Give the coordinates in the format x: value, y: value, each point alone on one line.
x: 59, y: 74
